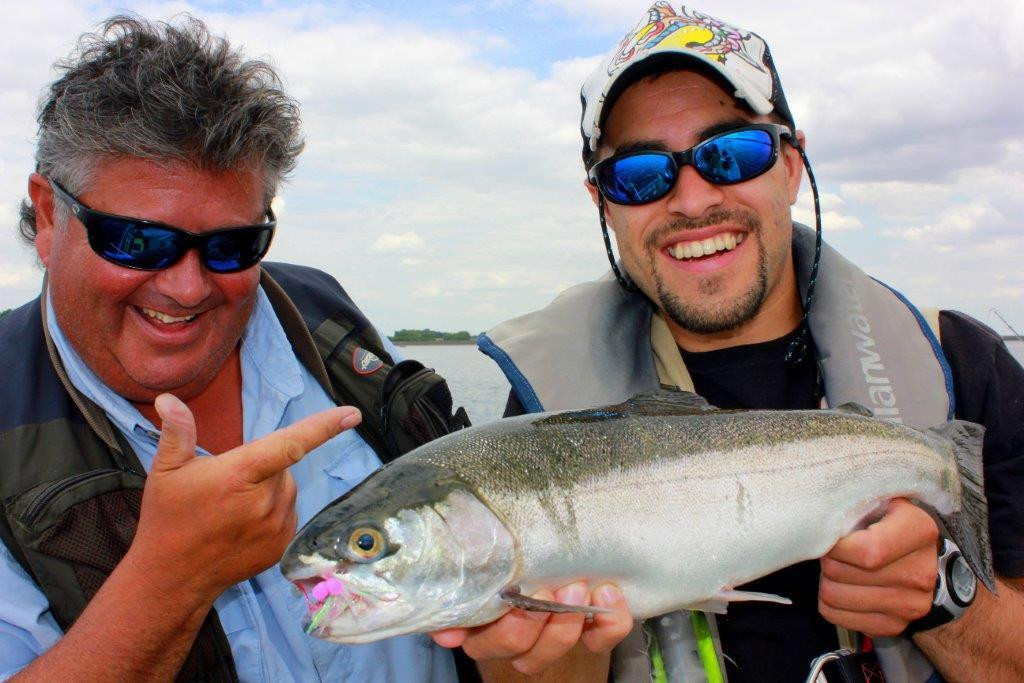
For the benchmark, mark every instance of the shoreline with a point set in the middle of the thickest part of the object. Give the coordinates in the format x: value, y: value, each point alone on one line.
x: 468, y: 342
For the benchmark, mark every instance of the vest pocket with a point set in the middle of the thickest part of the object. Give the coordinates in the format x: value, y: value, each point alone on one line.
x: 74, y: 531
x: 417, y: 407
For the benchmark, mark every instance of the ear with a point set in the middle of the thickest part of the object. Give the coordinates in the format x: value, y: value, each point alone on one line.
x: 41, y: 195
x: 592, y: 189
x: 794, y: 166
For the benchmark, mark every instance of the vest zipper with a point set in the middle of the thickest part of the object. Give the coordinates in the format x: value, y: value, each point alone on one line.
x: 39, y: 503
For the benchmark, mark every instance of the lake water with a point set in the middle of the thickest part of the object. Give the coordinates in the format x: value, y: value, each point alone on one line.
x: 478, y: 385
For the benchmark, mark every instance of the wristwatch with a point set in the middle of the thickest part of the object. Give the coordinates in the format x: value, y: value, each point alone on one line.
x: 955, y: 589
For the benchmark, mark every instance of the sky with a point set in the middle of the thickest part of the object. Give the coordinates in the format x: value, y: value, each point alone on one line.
x: 442, y: 185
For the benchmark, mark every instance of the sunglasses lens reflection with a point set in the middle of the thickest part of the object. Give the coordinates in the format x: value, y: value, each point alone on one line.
x: 236, y: 249
x: 136, y: 246
x: 154, y: 248
x: 638, y: 178
x: 648, y: 176
x: 734, y: 157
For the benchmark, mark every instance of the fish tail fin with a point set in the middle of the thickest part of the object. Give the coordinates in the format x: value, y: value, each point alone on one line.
x: 968, y: 526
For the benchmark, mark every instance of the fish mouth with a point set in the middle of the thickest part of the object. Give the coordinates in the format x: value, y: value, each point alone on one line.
x: 326, y: 600
x: 332, y: 592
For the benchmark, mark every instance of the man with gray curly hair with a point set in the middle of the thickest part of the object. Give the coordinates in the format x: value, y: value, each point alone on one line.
x: 160, y: 340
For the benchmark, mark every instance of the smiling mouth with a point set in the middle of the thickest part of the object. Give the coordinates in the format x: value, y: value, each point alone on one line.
x: 705, y: 248
x: 165, y: 318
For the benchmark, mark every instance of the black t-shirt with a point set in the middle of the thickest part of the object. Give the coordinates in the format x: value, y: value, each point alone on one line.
x: 767, y: 641
x: 770, y: 642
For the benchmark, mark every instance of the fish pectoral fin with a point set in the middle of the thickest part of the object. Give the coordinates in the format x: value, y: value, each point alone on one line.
x: 720, y: 600
x: 517, y: 599
x: 747, y: 596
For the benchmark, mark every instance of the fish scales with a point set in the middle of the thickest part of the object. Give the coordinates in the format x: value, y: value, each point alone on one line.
x: 555, y: 485
x: 677, y: 500
x: 674, y: 503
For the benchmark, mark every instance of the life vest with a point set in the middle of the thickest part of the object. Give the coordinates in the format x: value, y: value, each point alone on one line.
x: 592, y: 346
x: 66, y: 471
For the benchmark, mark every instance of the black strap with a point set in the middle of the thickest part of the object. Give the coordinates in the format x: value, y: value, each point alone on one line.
x: 357, y: 367
x: 859, y: 667
x: 404, y: 405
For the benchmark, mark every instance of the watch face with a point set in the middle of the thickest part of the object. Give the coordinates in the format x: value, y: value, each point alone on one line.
x: 962, y: 584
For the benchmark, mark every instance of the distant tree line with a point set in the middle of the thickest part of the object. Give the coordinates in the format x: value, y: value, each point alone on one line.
x: 426, y: 335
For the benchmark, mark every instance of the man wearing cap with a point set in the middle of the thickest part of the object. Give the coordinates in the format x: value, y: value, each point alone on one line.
x: 693, y: 161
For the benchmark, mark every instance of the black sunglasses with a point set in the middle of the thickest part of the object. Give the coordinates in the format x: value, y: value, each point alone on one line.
x: 145, y: 245
x: 643, y: 176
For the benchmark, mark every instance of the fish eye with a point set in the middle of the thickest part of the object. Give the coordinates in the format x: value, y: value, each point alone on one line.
x: 366, y: 543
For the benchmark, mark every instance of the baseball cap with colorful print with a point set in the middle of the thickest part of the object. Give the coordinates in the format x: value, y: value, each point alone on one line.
x: 739, y: 56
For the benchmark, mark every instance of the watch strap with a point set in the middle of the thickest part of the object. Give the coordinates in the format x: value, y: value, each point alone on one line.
x: 944, y: 607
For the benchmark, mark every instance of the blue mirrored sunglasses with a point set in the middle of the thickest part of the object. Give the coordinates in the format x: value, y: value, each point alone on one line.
x: 643, y: 176
x: 145, y: 245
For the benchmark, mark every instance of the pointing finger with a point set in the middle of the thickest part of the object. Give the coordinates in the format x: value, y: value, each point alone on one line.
x: 177, y: 444
x: 276, y: 452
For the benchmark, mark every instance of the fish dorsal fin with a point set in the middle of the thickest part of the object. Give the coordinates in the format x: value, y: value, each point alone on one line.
x: 585, y: 415
x: 855, y: 408
x: 668, y: 402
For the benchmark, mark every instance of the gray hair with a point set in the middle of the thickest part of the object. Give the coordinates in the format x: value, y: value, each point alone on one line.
x: 162, y: 92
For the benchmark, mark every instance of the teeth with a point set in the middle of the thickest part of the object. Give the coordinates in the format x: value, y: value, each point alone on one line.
x: 723, y: 242
x: 164, y: 318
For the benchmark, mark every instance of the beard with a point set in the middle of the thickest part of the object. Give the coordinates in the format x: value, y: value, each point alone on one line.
x: 721, y: 317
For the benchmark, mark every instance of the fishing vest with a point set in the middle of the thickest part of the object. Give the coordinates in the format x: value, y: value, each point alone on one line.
x: 592, y: 346
x: 71, y: 485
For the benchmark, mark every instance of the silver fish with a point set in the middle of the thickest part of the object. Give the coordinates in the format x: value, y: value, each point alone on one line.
x: 673, y: 500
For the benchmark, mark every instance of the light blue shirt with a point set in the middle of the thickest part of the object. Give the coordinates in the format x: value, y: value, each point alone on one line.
x: 262, y: 617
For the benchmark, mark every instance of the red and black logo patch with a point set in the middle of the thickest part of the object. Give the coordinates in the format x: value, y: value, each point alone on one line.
x: 365, y: 362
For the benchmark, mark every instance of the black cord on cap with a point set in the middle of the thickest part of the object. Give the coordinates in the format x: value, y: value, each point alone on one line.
x: 626, y: 284
x: 798, y: 347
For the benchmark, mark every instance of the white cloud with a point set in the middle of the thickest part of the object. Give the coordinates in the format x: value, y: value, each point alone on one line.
x: 407, y: 242
x: 910, y: 111
x: 955, y: 223
x: 833, y: 214
x: 428, y: 290
x: 18, y: 276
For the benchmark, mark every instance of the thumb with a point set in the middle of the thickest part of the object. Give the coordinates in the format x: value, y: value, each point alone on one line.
x: 177, y: 434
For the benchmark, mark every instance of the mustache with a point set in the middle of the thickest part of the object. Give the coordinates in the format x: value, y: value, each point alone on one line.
x: 748, y: 220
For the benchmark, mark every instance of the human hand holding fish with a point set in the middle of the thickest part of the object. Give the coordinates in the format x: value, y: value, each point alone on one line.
x: 207, y: 523
x: 532, y: 641
x: 879, y: 579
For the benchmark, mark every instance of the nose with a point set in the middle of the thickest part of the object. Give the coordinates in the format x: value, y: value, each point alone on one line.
x: 187, y: 283
x: 692, y: 196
